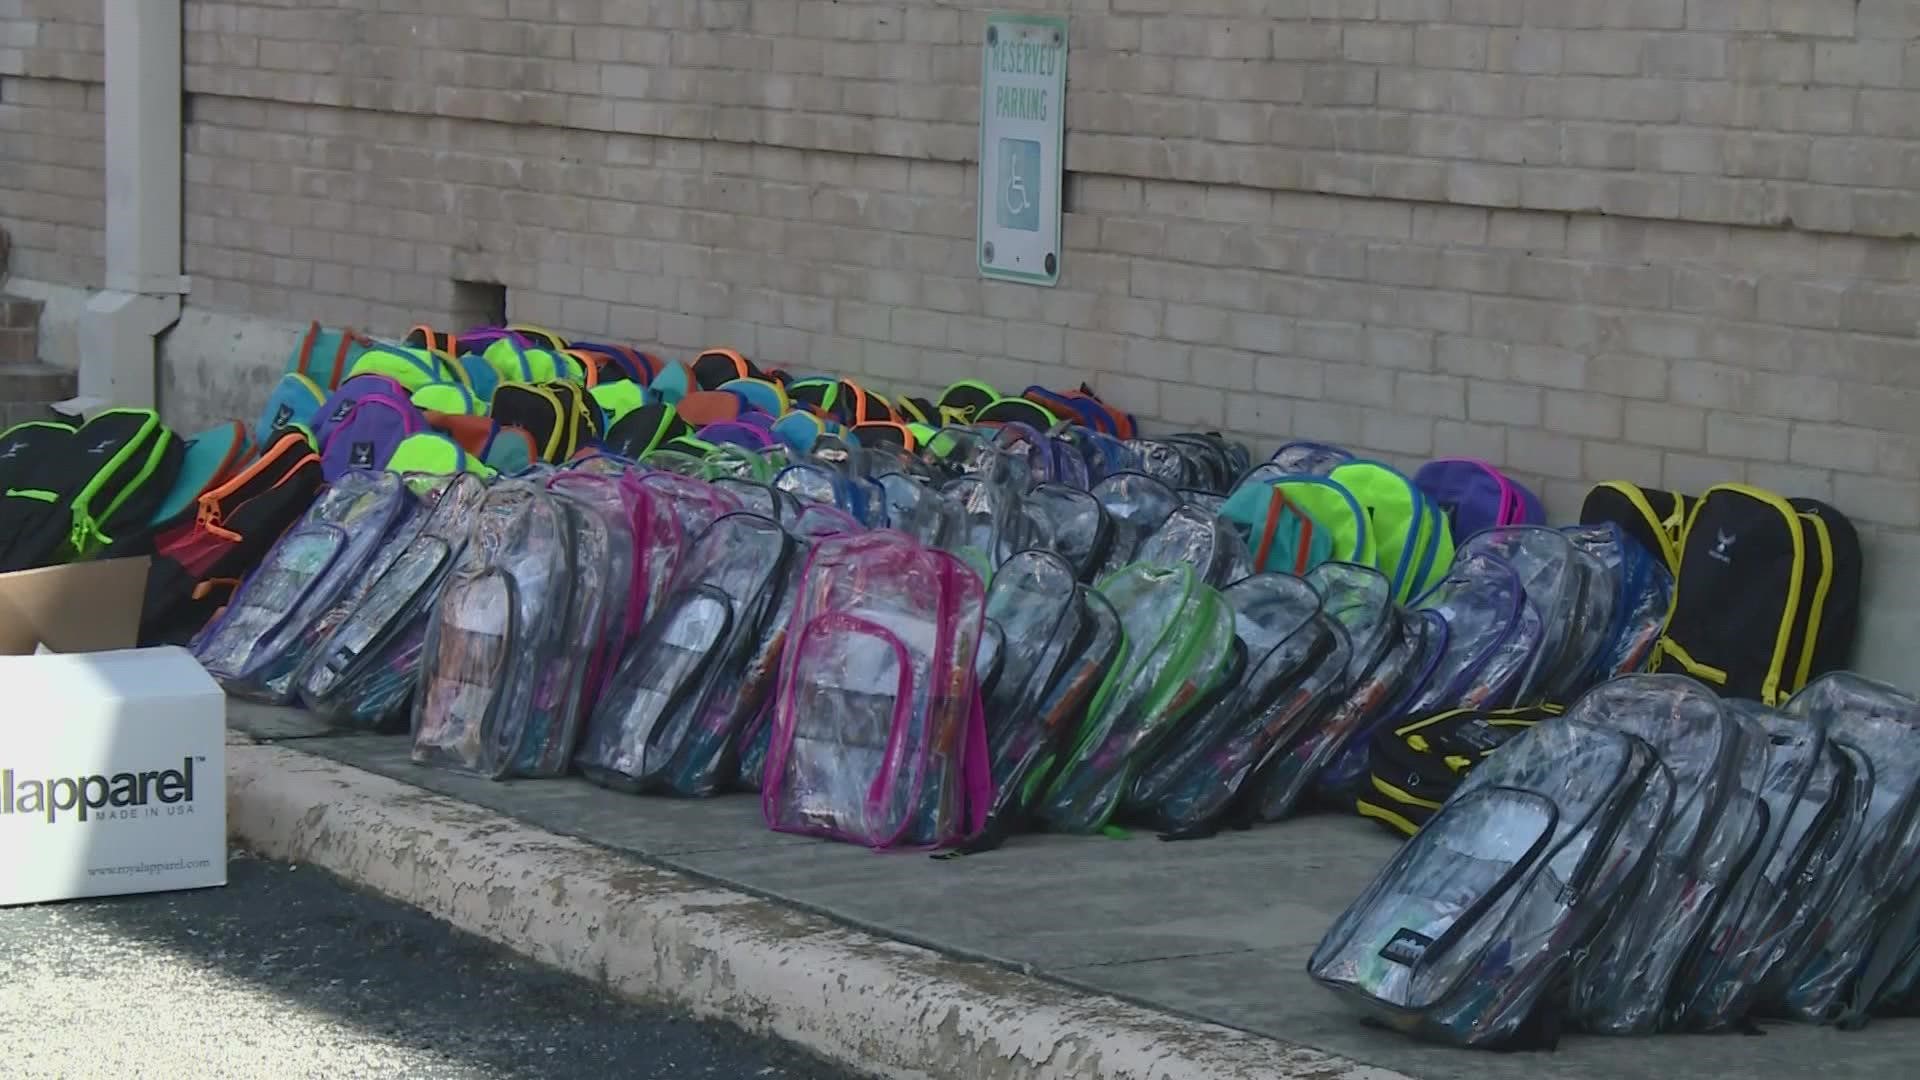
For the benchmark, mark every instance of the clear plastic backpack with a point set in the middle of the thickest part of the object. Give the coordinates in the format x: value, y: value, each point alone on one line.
x: 670, y: 717
x: 1718, y: 759
x: 1467, y: 935
x: 1183, y: 649
x: 1137, y: 504
x: 1870, y: 922
x: 365, y: 670
x: 1493, y: 635
x: 1298, y: 660
x: 1804, y: 797
x: 1554, y: 576
x: 1067, y: 521
x: 878, y: 737
x: 257, y: 643
x: 1196, y: 536
x: 499, y: 628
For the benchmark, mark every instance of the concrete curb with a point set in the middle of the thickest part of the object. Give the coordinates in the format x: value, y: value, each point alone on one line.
x: 877, y: 1005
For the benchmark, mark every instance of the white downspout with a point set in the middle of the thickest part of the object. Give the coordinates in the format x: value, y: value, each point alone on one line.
x: 119, y: 350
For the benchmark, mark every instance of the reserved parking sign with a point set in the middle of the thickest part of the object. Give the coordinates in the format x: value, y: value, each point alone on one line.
x: 1023, y: 105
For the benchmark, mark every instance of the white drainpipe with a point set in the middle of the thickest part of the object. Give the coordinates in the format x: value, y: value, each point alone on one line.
x: 119, y: 348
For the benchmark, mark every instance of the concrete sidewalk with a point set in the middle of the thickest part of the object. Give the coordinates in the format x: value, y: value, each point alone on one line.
x: 1216, y: 931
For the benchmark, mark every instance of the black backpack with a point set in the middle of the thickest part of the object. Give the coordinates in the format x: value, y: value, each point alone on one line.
x: 1418, y: 764
x: 1751, y: 599
x: 87, y: 493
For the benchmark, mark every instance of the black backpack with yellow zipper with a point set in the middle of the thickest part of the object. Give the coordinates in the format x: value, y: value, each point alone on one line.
x: 1417, y: 764
x: 1657, y: 519
x: 1764, y: 599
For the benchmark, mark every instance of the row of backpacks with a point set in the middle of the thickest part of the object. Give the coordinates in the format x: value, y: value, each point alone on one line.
x: 1658, y: 858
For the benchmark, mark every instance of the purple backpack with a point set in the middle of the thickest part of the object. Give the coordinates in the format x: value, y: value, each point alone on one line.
x: 1474, y: 495
x: 333, y: 412
x: 362, y: 433
x: 738, y: 433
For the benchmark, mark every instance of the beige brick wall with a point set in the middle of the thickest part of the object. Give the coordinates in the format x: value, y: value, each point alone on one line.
x: 1657, y: 239
x: 52, y: 158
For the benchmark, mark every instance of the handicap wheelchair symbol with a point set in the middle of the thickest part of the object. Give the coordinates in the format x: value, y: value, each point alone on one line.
x: 1019, y: 202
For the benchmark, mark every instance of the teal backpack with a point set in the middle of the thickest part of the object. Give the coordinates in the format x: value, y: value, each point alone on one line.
x: 294, y: 401
x: 325, y: 356
x: 1282, y: 534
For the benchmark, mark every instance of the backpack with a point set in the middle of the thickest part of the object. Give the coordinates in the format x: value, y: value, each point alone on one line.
x: 368, y: 432
x: 1867, y: 923
x: 514, y: 362
x: 1020, y: 411
x: 1840, y: 614
x: 1717, y: 759
x: 1284, y: 536
x: 1493, y: 634
x: 1199, y: 538
x: 676, y: 703
x: 87, y: 493
x: 1643, y: 591
x: 557, y: 414
x: 1805, y: 793
x: 965, y: 400
x: 1182, y: 650
x: 1384, y: 652
x: 364, y: 670
x: 296, y: 399
x: 1750, y: 595
x: 411, y: 367
x: 1412, y: 541
x: 1415, y: 764
x: 448, y: 397
x: 1467, y: 935
x: 763, y: 673
x: 645, y: 429
x: 1656, y: 519
x: 1309, y: 458
x: 878, y: 733
x: 198, y: 562
x: 921, y: 510
x: 1475, y: 496
x: 1044, y: 626
x: 499, y: 626
x: 1297, y: 659
x: 1069, y: 522
x: 207, y: 460
x: 1573, y: 596
x: 717, y: 367
x: 256, y: 644
x: 1137, y: 505
x: 323, y: 357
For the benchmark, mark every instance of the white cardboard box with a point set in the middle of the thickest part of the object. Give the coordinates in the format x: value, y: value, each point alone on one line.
x: 112, y: 775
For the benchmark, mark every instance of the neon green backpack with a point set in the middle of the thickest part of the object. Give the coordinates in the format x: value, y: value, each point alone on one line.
x: 516, y: 363
x: 1413, y: 543
x: 411, y: 367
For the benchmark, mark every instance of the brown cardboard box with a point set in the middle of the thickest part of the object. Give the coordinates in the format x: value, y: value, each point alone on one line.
x: 83, y: 607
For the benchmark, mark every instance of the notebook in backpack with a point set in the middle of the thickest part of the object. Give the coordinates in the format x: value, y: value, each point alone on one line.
x: 1475, y: 495
x: 1416, y: 763
x: 365, y: 670
x: 88, y: 494
x: 1297, y: 657
x: 1183, y: 649
x: 1467, y: 934
x: 668, y: 720
x: 1717, y: 758
x: 499, y: 624
x: 198, y: 562
x: 878, y: 735
x: 255, y: 645
x: 1804, y: 793
x: 1199, y: 538
x: 1870, y: 920
x: 1749, y: 595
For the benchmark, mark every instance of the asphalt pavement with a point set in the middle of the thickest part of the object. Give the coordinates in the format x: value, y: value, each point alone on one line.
x: 287, y: 972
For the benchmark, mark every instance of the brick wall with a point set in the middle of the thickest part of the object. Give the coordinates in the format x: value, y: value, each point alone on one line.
x: 52, y: 157
x: 1664, y: 240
